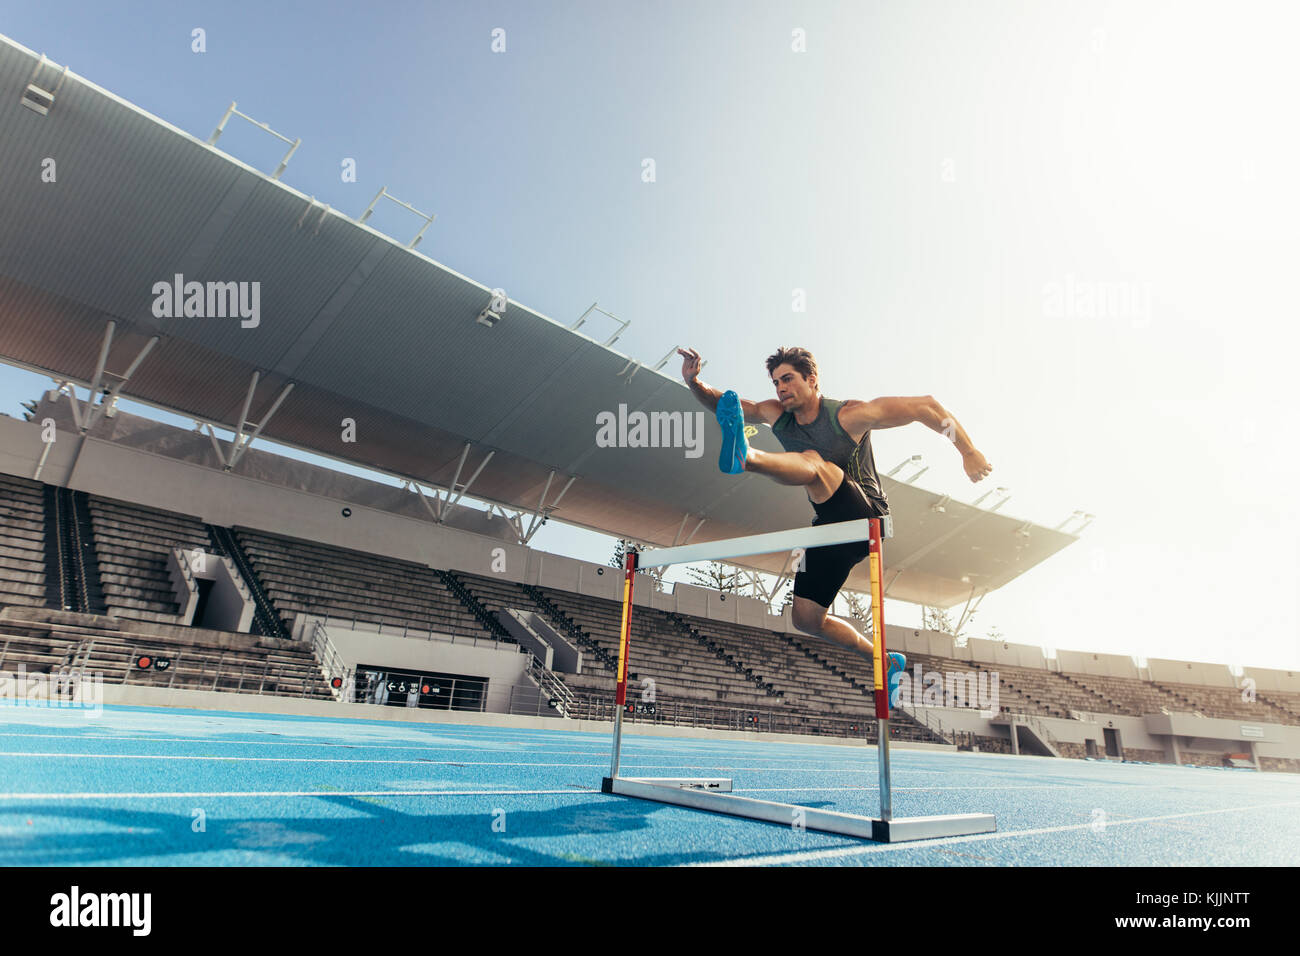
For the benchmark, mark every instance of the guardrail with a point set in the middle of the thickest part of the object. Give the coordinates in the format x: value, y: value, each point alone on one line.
x: 331, y: 664
x: 206, y: 670
x: 551, y: 689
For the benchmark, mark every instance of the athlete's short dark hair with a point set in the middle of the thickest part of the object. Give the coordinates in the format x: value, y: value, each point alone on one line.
x: 801, y: 359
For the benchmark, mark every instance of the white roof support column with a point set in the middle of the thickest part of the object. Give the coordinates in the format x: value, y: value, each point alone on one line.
x: 239, y: 444
x: 677, y: 538
x: 243, y: 441
x: 94, y: 411
x: 968, y: 612
x: 70, y: 390
x: 408, y: 483
x: 515, y: 523
x: 543, y: 509
x: 451, y: 503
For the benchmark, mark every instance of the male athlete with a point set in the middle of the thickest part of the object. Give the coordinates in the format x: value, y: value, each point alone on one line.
x: 827, y: 451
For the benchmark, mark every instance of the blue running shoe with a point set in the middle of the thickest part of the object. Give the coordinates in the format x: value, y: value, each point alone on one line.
x: 734, y: 446
x: 897, y: 665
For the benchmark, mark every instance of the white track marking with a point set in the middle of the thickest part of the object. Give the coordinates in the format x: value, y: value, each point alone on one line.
x: 433, y: 763
x: 602, y: 751
x: 815, y: 855
x: 283, y: 793
x: 1027, y: 786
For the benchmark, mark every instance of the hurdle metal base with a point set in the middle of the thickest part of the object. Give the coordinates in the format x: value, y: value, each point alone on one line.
x: 711, y: 784
x: 684, y: 793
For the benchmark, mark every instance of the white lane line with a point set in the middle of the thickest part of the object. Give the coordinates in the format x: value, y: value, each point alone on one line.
x: 104, y: 738
x: 1027, y: 786
x: 283, y: 793
x: 814, y: 855
x: 432, y: 763
x: 601, y: 751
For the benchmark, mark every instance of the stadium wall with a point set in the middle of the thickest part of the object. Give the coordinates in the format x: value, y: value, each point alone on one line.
x: 502, y: 664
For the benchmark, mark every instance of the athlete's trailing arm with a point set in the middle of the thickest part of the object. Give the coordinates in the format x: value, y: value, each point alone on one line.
x: 861, y: 417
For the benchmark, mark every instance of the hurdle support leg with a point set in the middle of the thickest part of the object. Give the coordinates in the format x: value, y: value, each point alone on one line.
x: 714, y: 794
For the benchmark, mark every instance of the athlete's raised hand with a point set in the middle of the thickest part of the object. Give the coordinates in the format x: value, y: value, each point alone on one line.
x: 976, y: 465
x: 690, y: 364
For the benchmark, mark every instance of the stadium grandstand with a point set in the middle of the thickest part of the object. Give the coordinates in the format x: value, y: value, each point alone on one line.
x: 194, y: 572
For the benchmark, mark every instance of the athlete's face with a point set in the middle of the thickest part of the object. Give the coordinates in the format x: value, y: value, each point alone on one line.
x: 792, y: 389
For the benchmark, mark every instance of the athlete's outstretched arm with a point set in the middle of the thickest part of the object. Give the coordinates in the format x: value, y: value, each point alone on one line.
x: 859, y: 417
x: 755, y: 412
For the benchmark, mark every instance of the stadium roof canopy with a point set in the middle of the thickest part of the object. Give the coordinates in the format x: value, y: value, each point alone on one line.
x: 352, y: 324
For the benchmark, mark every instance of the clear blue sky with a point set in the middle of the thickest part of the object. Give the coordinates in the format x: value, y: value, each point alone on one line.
x: 1073, y: 224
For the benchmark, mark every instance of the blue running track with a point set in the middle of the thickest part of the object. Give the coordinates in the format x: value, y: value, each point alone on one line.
x: 164, y: 787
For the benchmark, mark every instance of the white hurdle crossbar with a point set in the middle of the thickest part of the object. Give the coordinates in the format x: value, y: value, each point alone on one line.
x: 714, y: 794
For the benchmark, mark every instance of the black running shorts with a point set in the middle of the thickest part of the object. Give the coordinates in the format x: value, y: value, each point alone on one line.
x: 828, y: 567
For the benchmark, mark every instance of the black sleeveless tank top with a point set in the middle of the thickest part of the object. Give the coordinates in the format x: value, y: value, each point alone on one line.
x: 827, y: 437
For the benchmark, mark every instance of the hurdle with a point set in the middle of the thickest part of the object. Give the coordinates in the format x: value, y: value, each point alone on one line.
x: 714, y: 794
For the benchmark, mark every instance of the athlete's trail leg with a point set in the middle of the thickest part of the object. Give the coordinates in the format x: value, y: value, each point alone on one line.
x: 811, y: 618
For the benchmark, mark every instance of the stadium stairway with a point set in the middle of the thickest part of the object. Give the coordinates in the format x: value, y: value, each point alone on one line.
x: 72, y: 573
x: 265, y: 621
x: 471, y: 604
x: 562, y: 621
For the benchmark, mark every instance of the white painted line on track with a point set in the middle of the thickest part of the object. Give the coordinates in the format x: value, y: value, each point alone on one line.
x: 945, y: 789
x: 433, y: 763
x: 601, y: 751
x: 284, y: 793
x: 817, y: 855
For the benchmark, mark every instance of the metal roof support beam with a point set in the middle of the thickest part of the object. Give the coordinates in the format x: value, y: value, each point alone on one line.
x: 113, y: 394
x: 454, y: 479
x: 243, y: 441
x: 70, y: 389
x: 408, y: 483
x: 567, y: 485
x: 680, y: 528
x: 221, y: 452
x: 515, y: 523
x: 94, y: 411
x: 104, y: 346
x: 541, y: 508
x: 678, y: 535
x: 756, y: 586
x: 451, y: 504
x: 968, y: 611
x: 221, y: 127
x: 248, y: 401
x: 544, y: 510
